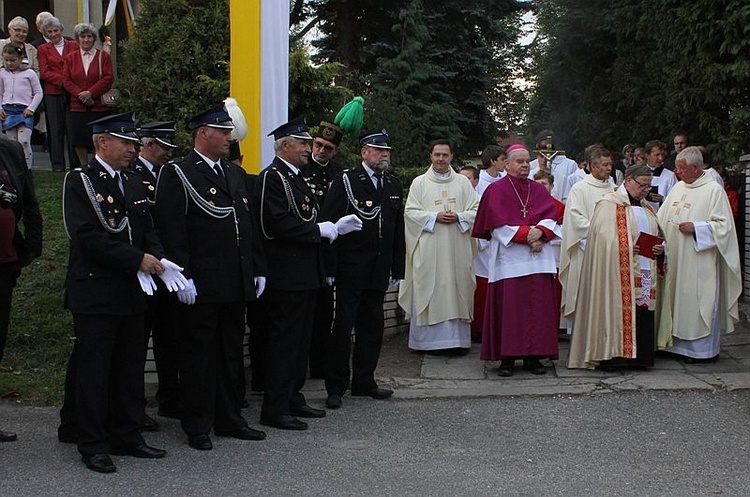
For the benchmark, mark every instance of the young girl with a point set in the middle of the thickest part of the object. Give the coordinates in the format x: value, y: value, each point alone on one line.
x: 20, y: 95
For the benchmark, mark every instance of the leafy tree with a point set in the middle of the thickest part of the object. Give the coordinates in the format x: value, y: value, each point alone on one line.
x: 177, y: 64
x: 621, y: 71
x: 429, y: 69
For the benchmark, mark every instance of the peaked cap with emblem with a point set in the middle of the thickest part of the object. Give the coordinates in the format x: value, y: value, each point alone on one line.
x: 377, y: 139
x: 331, y: 132
x: 216, y: 117
x: 120, y: 125
x: 296, y: 128
x: 162, y: 131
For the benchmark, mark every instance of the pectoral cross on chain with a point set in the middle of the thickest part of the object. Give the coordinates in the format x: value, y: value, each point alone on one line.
x: 446, y: 201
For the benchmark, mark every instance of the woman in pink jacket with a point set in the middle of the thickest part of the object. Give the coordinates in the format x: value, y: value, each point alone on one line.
x: 88, y: 75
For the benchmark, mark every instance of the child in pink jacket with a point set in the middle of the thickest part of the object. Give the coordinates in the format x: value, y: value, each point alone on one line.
x: 20, y: 95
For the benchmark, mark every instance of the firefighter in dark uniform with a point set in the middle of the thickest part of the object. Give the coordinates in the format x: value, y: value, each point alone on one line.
x: 206, y: 221
x: 292, y: 240
x: 318, y: 174
x: 157, y: 145
x: 363, y: 265
x: 114, y: 251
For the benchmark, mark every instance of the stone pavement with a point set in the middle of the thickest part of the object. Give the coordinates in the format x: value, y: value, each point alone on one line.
x: 468, y: 376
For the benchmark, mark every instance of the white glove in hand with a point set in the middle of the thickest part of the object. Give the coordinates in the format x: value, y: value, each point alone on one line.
x: 260, y: 286
x: 328, y: 230
x: 393, y: 282
x: 330, y: 280
x: 347, y: 224
x: 172, y: 276
x: 148, y: 285
x: 188, y: 294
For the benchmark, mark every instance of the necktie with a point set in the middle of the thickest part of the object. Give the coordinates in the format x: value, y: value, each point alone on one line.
x: 217, y: 170
x: 379, y: 181
x: 118, y: 178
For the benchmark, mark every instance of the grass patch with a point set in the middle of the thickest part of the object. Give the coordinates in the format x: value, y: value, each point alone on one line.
x: 41, y: 331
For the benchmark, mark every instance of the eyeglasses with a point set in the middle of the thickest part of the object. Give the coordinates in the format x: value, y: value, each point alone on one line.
x: 647, y: 185
x: 324, y: 146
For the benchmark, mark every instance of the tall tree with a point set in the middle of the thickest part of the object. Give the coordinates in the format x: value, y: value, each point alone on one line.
x: 177, y: 64
x: 621, y: 71
x: 429, y: 69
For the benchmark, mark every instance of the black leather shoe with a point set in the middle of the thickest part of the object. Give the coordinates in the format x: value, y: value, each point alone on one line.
x: 533, y: 366
x: 149, y: 424
x: 142, y: 451
x: 200, y: 442
x: 506, y: 368
x: 333, y: 401
x: 101, y: 463
x: 285, y: 423
x: 8, y: 436
x: 307, y: 412
x: 244, y: 433
x: 375, y: 393
x: 693, y: 360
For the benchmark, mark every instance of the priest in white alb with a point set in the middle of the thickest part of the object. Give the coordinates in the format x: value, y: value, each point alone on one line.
x: 702, y: 282
x: 437, y: 293
x: 575, y: 228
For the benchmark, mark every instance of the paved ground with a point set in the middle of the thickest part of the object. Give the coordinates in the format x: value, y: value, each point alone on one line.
x: 627, y: 443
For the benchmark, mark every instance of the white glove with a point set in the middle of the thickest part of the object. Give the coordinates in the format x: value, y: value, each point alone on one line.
x: 393, y: 282
x: 347, y: 224
x: 188, y: 294
x: 148, y: 285
x: 330, y: 280
x: 328, y: 230
x: 260, y: 286
x: 172, y: 276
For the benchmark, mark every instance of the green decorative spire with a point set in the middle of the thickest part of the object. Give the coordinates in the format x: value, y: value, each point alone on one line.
x: 351, y: 115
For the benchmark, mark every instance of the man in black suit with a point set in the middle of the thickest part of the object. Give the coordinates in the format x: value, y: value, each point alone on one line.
x: 363, y: 265
x: 206, y: 221
x: 18, y: 206
x: 114, y: 251
x: 318, y: 174
x: 292, y: 239
x: 157, y: 145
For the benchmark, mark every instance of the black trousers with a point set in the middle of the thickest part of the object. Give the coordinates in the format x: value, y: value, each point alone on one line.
x: 321, y: 332
x: 288, y: 321
x: 108, y: 359
x: 56, y: 112
x: 159, y: 324
x: 363, y: 311
x: 258, y: 342
x: 210, y: 348
x: 8, y: 276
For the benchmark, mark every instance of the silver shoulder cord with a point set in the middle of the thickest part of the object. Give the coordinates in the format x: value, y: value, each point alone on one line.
x: 125, y: 223
x: 290, y: 200
x: 205, y: 205
x: 368, y: 215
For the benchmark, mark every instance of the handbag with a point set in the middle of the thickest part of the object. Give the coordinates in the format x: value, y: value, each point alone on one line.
x: 110, y: 98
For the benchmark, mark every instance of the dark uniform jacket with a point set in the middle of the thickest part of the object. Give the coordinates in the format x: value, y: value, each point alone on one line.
x: 290, y: 232
x: 103, y: 265
x: 28, y: 243
x: 146, y: 177
x: 220, y: 251
x: 366, y: 259
x: 319, y: 177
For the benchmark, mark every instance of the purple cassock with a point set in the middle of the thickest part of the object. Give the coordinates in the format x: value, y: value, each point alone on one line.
x: 520, y: 320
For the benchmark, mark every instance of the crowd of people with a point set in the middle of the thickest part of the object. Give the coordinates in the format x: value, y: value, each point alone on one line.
x: 629, y: 258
